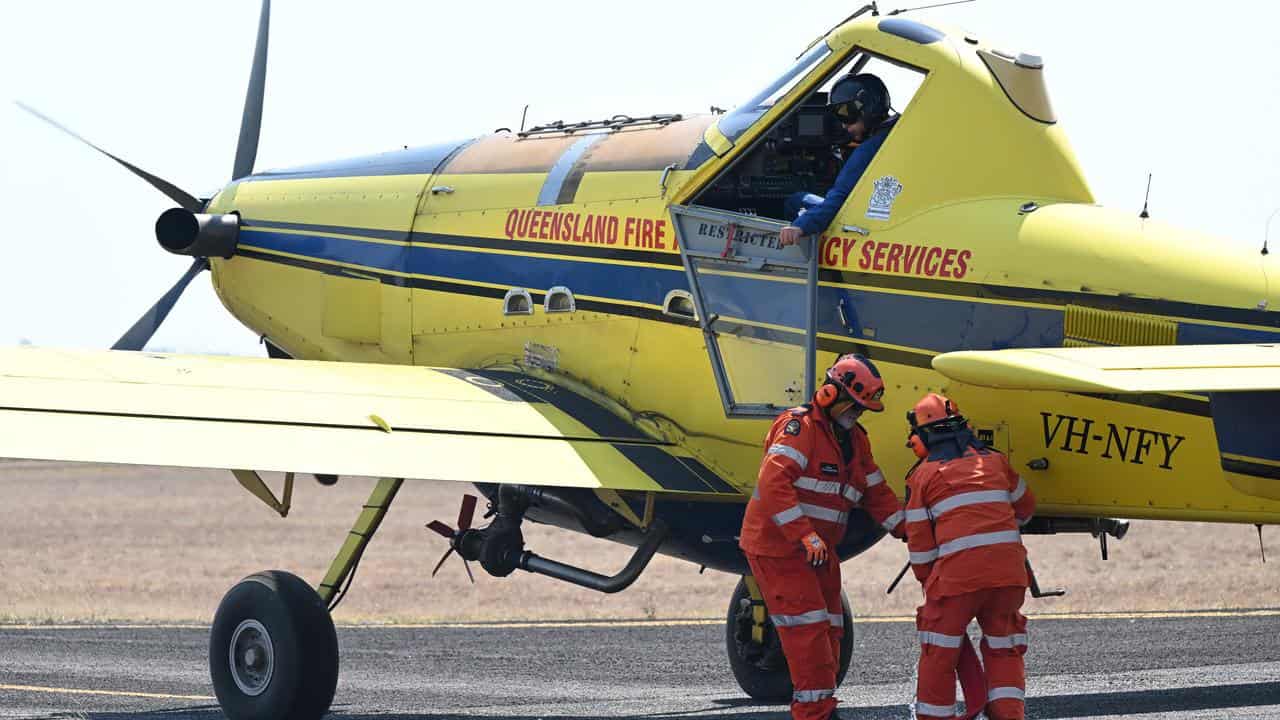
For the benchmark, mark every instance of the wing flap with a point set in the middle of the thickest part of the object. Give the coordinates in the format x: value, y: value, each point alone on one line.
x: 1163, y: 368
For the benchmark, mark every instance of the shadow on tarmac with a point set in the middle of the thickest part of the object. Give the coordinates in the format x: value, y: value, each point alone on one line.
x: 1190, y: 699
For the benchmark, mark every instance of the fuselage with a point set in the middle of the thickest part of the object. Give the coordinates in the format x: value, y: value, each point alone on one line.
x: 413, y: 257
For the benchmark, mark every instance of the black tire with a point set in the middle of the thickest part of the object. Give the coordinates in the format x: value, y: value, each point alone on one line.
x: 761, y: 669
x: 298, y: 678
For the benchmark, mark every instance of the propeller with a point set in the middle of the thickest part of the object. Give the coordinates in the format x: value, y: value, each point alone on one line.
x: 136, y: 337
x: 246, y: 152
x: 184, y: 199
x: 251, y: 121
x: 465, y: 515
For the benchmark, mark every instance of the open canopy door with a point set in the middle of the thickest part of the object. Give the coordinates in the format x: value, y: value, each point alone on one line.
x: 757, y: 305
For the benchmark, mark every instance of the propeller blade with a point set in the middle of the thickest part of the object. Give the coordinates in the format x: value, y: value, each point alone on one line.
x: 441, y: 563
x: 466, y: 512
x: 251, y: 121
x: 441, y: 528
x: 140, y: 334
x: 174, y: 193
x: 467, y: 566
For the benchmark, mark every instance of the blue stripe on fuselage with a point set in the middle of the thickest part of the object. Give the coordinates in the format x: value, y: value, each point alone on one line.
x: 928, y: 323
x: 922, y: 322
x: 611, y: 281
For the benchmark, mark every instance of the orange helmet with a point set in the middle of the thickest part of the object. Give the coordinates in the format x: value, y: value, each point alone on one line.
x: 855, y: 376
x: 933, y: 420
x: 932, y: 408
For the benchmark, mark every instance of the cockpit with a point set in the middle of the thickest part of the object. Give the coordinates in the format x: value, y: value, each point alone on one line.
x: 803, y: 151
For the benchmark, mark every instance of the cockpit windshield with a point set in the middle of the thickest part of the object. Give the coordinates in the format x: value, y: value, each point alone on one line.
x: 736, y: 121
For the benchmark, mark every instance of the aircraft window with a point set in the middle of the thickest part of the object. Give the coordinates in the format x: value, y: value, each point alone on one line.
x: 804, y: 151
x: 745, y: 115
x: 910, y: 30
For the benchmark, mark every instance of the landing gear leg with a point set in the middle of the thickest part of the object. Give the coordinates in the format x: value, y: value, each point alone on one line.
x: 273, y: 651
x: 375, y: 508
x: 755, y: 653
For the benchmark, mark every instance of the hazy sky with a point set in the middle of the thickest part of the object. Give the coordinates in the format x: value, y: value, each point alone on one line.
x: 1162, y: 86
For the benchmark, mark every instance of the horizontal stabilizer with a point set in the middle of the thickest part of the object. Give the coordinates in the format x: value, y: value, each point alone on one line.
x: 1160, y: 368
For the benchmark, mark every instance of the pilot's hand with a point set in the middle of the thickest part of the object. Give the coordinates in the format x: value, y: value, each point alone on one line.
x: 790, y: 235
x: 815, y: 550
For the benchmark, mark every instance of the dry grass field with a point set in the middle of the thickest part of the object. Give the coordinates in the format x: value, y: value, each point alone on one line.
x: 114, y: 543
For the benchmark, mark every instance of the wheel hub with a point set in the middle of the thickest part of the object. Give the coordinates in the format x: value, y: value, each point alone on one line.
x: 252, y: 657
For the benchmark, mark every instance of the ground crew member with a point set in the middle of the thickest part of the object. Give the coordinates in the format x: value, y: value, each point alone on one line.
x: 964, y: 507
x: 817, y: 467
x: 860, y: 102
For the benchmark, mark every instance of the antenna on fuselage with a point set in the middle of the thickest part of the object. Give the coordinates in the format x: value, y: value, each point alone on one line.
x: 1144, y: 214
x: 1266, y: 233
x: 524, y: 115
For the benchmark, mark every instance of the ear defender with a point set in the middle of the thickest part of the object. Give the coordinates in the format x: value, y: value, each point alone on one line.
x: 914, y: 441
x: 827, y: 395
x: 917, y: 446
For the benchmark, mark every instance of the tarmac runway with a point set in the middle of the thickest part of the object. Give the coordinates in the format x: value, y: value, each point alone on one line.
x: 1177, y: 665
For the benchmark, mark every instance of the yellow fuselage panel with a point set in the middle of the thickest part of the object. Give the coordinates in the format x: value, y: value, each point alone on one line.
x: 957, y: 264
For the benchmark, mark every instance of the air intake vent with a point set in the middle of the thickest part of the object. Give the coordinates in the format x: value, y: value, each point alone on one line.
x: 1087, y: 327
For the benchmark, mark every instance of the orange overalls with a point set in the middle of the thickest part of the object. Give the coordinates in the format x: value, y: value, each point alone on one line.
x: 963, y: 516
x: 808, y: 483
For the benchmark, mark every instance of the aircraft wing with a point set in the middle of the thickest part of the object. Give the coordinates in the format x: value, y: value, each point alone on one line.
x: 487, y: 426
x: 1167, y: 368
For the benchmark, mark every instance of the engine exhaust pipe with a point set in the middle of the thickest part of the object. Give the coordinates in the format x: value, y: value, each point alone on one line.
x: 594, y: 581
x: 183, y: 232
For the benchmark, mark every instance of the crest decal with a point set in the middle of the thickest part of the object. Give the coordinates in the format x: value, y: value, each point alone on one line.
x: 886, y: 190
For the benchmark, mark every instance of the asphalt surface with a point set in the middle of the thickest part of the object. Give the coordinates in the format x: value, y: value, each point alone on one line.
x: 1182, y: 666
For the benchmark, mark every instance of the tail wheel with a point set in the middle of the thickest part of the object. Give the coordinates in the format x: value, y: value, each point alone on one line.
x: 761, y: 668
x: 273, y: 652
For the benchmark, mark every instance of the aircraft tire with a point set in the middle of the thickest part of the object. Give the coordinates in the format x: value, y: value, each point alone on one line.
x: 273, y: 651
x: 761, y: 671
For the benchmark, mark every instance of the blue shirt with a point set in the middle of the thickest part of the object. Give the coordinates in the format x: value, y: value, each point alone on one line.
x: 817, y: 218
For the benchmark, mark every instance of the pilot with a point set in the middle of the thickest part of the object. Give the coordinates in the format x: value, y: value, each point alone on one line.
x: 964, y: 507
x: 817, y: 467
x: 861, y: 103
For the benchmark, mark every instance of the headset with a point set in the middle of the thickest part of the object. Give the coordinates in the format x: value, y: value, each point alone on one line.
x: 917, y: 445
x: 827, y: 395
x: 951, y: 423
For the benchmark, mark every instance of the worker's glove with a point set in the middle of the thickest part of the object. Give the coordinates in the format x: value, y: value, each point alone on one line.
x: 815, y: 550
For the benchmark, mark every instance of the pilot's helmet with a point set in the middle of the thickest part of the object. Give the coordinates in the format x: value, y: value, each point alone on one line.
x: 862, y: 96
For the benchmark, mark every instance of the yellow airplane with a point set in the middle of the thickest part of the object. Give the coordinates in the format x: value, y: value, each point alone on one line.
x: 594, y: 322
